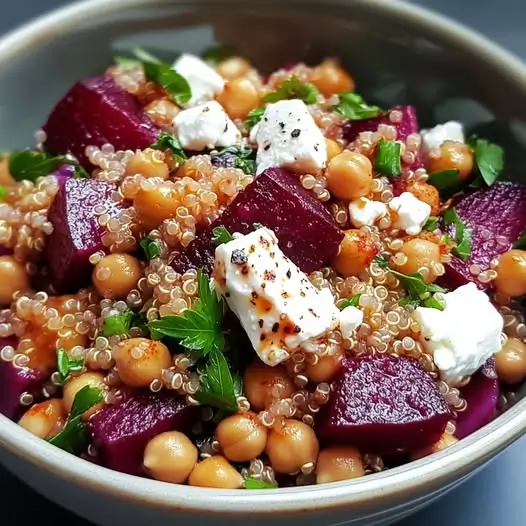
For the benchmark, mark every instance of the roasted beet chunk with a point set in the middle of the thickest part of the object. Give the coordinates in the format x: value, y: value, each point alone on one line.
x: 76, y: 231
x: 121, y: 432
x: 496, y: 217
x: 94, y: 112
x: 305, y: 229
x: 384, y: 405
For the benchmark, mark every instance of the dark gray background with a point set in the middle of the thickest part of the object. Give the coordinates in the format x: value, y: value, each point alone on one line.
x: 497, y: 496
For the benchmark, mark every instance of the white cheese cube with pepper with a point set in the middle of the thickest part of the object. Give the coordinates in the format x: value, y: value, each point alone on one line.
x: 288, y: 137
x: 277, y: 305
x: 409, y: 213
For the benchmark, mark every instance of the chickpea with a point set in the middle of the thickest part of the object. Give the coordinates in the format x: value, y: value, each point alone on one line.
x: 453, y: 156
x: 357, y: 250
x: 333, y: 148
x: 45, y: 419
x: 162, y: 112
x: 154, y: 205
x: 325, y: 368
x: 420, y: 253
x: 260, y: 383
x: 330, y: 78
x: 70, y: 338
x: 140, y: 361
x: 215, y: 472
x: 170, y: 457
x: 233, y: 68
x: 337, y: 463
x: 239, y: 98
x: 13, y: 277
x: 291, y: 446
x: 115, y: 275
x: 511, y: 273
x: 428, y: 194
x: 241, y: 437
x: 444, y: 442
x: 75, y: 384
x: 510, y: 361
x: 148, y: 163
x: 349, y: 175
x: 6, y: 179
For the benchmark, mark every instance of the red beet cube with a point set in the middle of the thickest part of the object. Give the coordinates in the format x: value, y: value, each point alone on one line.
x: 121, y: 432
x: 305, y: 229
x: 384, y: 405
x: 94, y: 112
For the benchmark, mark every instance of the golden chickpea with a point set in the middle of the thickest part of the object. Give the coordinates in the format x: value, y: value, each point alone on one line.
x: 420, y: 253
x: 115, y: 275
x: 349, y: 175
x: 510, y: 361
x: 140, y: 361
x: 428, y: 194
x: 148, y: 163
x: 6, y: 179
x: 333, y: 148
x: 162, y: 112
x: 325, y: 368
x: 511, y: 273
x: 233, y: 68
x: 445, y: 441
x: 239, y: 98
x: 170, y: 457
x: 330, y: 78
x: 154, y: 205
x: 453, y: 156
x: 45, y: 419
x: 291, y: 446
x: 75, y: 384
x: 241, y: 437
x: 215, y: 472
x: 357, y: 250
x: 263, y: 384
x: 337, y: 463
x: 13, y: 277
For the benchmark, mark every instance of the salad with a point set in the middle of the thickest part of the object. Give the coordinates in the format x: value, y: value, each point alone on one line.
x: 213, y: 277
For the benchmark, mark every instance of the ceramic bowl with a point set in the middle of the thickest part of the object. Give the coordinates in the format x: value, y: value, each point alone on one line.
x: 398, y: 53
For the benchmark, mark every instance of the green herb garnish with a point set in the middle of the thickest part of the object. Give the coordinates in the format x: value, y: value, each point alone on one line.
x: 66, y: 366
x: 216, y: 54
x: 126, y: 62
x: 167, y: 141
x: 244, y: 158
x: 30, y: 165
x: 353, y: 107
x: 381, y: 261
x: 431, y: 224
x: 445, y: 180
x: 118, y: 324
x: 3, y: 192
x: 521, y: 242
x: 221, y: 235
x: 254, y: 117
x: 293, y: 88
x: 150, y: 247
x: 350, y: 302
x: 145, y: 56
x: 387, y: 160
x: 489, y: 158
x: 73, y: 438
x: 419, y: 293
x: 251, y: 483
x: 257, y: 226
x: 462, y: 234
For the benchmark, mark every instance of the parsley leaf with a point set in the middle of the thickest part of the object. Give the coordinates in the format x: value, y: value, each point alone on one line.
x: 431, y: 224
x: 118, y: 324
x: 221, y: 235
x: 167, y: 141
x: 419, y: 293
x: 462, y: 234
x: 66, y: 366
x: 521, y: 242
x: 251, y: 483
x: 257, y: 226
x: 387, y: 160
x: 3, y: 192
x: 30, y: 165
x: 242, y: 157
x: 445, y: 180
x: 293, y: 88
x: 73, y: 437
x: 144, y: 56
x: 216, y: 54
x: 150, y: 247
x: 381, y: 261
x: 350, y: 302
x: 198, y: 329
x: 489, y: 158
x: 126, y: 62
x: 353, y: 107
x: 254, y: 117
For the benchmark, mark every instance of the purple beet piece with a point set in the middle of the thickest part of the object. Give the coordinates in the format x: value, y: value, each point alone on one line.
x: 97, y: 111
x: 64, y: 172
x: 384, y: 405
x: 499, y: 210
x: 481, y: 394
x: 121, y: 432
x: 407, y: 126
x: 76, y: 231
x: 305, y: 229
x: 14, y: 381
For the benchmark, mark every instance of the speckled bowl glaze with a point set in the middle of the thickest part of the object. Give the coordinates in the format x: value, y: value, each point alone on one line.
x: 398, y: 53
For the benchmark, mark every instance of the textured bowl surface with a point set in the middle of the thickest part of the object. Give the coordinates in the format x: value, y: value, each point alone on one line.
x: 398, y: 54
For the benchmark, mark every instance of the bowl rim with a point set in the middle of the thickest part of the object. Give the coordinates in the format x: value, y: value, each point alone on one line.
x: 418, y: 477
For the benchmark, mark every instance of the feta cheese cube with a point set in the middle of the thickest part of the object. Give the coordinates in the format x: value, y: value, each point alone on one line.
x: 204, y: 81
x: 464, y: 335
x: 350, y: 319
x: 277, y: 305
x: 364, y: 212
x: 287, y: 137
x: 433, y: 138
x: 205, y: 126
x: 409, y: 213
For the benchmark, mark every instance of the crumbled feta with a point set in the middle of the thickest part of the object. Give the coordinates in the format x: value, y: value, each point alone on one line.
x: 433, y: 138
x: 350, y: 319
x: 204, y: 81
x: 364, y: 212
x: 464, y: 335
x: 205, y: 126
x: 409, y: 213
x: 288, y: 137
x: 277, y: 305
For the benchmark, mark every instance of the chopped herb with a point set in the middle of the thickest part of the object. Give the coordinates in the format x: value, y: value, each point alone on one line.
x: 30, y: 165
x: 3, y: 192
x: 462, y: 234
x: 489, y: 158
x: 353, y: 107
x: 257, y: 226
x: 117, y: 324
x: 73, y: 437
x: 167, y: 141
x: 431, y: 224
x: 350, y: 302
x: 244, y: 158
x: 445, y: 180
x: 217, y: 54
x: 381, y: 261
x: 145, y: 56
x: 251, y: 483
x: 387, y: 160
x: 221, y: 235
x: 254, y: 117
x: 293, y: 88
x: 66, y: 366
x: 150, y: 247
x: 126, y: 62
x: 198, y: 328
x: 419, y: 293
x: 521, y: 242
